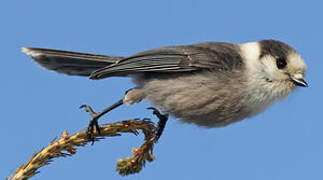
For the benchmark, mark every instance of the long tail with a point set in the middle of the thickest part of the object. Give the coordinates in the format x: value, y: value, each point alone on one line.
x: 70, y: 63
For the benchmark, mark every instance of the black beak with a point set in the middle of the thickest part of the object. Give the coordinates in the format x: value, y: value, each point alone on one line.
x: 299, y: 82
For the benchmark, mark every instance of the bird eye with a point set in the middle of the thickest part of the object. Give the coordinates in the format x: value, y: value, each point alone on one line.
x: 281, y: 63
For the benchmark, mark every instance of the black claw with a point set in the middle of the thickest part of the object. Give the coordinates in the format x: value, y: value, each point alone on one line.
x: 93, y: 124
x: 88, y: 109
x: 155, y: 111
x: 153, y: 108
x: 82, y: 106
x: 95, y: 116
x: 161, y: 123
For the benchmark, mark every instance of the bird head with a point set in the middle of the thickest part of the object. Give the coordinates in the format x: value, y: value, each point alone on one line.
x: 274, y: 69
x: 282, y: 64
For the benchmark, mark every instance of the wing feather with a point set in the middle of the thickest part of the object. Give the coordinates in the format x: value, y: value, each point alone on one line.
x: 169, y: 59
x: 215, y: 56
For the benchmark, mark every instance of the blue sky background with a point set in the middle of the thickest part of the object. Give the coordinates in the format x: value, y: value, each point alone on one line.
x: 284, y: 142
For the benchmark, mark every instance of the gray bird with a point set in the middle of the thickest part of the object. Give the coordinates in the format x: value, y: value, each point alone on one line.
x: 211, y: 84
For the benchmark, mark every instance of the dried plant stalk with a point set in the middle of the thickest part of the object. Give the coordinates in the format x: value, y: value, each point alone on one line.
x: 66, y: 146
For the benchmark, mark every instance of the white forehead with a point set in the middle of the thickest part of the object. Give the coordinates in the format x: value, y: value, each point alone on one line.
x: 296, y: 62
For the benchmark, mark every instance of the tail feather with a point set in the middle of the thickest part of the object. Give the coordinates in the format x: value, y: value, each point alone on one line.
x: 70, y: 63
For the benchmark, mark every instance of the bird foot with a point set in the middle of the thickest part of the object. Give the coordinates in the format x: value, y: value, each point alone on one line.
x: 93, y: 123
x: 161, y: 123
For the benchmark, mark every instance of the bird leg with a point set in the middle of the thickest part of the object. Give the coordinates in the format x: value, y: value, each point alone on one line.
x: 161, y: 123
x: 93, y: 123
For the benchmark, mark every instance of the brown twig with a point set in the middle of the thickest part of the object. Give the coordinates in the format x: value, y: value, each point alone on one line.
x: 66, y: 146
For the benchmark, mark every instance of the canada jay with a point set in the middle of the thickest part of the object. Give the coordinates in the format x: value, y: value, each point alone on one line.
x: 210, y: 84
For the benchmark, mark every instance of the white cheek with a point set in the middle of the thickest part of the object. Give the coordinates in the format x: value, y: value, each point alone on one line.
x: 269, y: 68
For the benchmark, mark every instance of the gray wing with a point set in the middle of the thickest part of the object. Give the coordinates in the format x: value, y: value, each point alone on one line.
x: 218, y: 56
